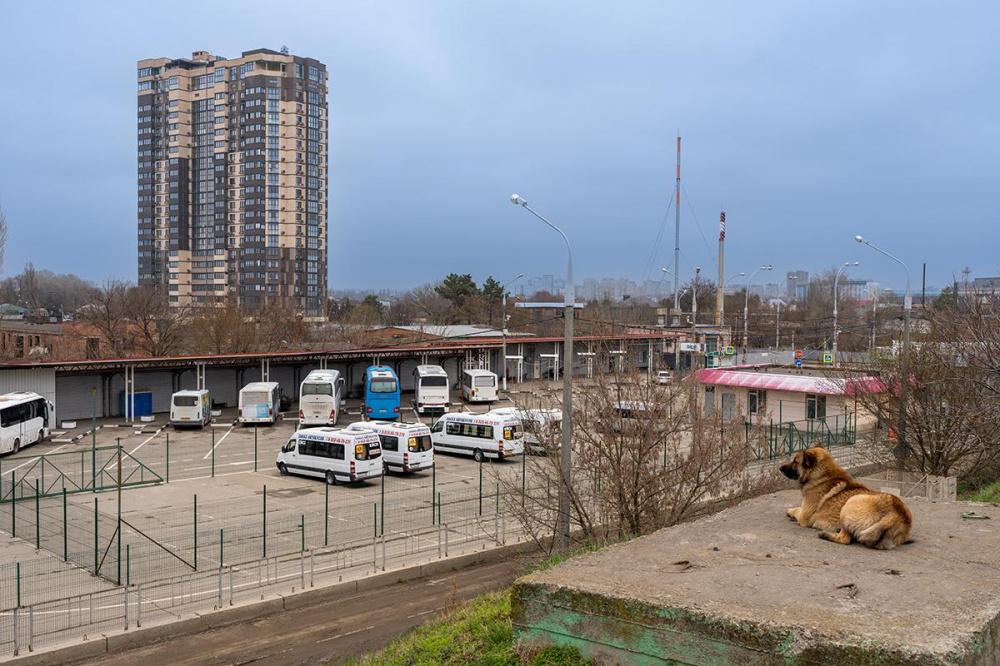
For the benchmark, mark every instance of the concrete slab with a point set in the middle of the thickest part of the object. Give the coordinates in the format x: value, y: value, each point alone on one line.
x: 748, y: 586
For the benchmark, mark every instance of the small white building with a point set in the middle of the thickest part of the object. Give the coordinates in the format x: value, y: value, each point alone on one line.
x: 778, y: 394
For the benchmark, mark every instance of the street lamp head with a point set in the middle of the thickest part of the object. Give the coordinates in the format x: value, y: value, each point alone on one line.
x: 519, y: 276
x: 517, y: 200
x: 767, y: 267
x: 860, y: 239
x: 856, y: 263
x: 665, y: 269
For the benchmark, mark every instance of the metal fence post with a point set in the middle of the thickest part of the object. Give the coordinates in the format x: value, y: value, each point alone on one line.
x: 38, y: 519
x: 65, y: 526
x: 382, y: 505
x: 302, y: 532
x: 302, y: 569
x: 439, y: 508
x: 168, y: 457
x: 31, y: 628
x: 221, y: 542
x: 374, y: 521
x: 383, y: 551
x: 255, y: 447
x: 433, y: 491
x: 93, y: 439
x: 13, y: 505
x: 17, y: 568
x: 125, y: 590
x: 138, y: 606
x: 96, y: 562
x: 264, y: 516
x: 524, y: 465
x: 128, y: 564
x: 326, y: 514
x: 196, y: 531
x: 213, y: 452
x: 480, y: 487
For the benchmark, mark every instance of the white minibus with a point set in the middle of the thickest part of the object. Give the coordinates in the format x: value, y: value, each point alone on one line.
x: 25, y: 418
x: 332, y: 454
x: 542, y: 427
x: 481, y: 435
x: 259, y: 403
x: 190, y: 408
x: 320, y: 396
x: 430, y: 384
x: 479, y: 386
x: 406, y: 447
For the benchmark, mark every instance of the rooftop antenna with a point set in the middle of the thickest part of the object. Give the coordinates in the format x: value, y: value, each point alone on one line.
x: 284, y: 50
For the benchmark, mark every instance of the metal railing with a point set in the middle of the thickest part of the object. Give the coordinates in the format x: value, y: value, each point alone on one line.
x: 774, y: 440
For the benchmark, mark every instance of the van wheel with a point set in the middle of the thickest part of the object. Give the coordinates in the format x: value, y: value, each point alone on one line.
x: 17, y: 446
x: 282, y: 470
x: 477, y: 456
x: 331, y: 479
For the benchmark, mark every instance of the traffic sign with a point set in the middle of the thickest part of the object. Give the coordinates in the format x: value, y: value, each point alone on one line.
x: 798, y: 353
x: 798, y: 363
x: 827, y: 358
x: 730, y: 350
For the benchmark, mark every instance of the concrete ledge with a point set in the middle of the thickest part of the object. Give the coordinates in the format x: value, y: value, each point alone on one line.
x: 747, y: 586
x: 244, y: 612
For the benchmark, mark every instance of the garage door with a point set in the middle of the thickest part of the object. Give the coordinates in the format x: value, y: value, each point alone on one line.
x: 406, y: 379
x: 74, y: 397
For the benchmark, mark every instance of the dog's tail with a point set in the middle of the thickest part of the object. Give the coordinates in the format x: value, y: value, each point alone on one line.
x: 891, y: 530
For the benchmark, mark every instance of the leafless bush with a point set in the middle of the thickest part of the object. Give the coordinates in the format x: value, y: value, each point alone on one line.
x: 645, y: 457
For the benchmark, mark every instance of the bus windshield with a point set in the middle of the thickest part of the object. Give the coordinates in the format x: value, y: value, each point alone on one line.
x: 324, y: 388
x: 383, y: 386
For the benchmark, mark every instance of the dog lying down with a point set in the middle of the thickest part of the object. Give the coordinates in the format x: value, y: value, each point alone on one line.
x: 843, y: 509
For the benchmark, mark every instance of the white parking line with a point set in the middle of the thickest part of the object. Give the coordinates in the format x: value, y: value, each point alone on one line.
x: 219, y: 441
x: 147, y: 441
x: 28, y: 462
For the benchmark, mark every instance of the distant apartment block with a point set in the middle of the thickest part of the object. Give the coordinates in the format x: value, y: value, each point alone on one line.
x: 232, y: 186
x: 797, y: 284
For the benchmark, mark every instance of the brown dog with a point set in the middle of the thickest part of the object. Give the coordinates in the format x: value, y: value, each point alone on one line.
x: 843, y: 509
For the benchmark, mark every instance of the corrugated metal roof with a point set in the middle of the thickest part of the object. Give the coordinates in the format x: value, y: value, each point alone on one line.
x: 784, y: 382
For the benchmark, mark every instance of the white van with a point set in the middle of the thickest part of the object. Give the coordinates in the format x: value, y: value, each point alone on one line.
x: 538, y: 425
x: 481, y: 435
x: 320, y: 396
x: 479, y: 386
x: 259, y: 403
x: 430, y: 385
x: 190, y: 408
x: 406, y: 447
x: 332, y: 454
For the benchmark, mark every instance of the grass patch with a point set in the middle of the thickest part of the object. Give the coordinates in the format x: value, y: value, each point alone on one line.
x: 990, y: 493
x: 479, y: 632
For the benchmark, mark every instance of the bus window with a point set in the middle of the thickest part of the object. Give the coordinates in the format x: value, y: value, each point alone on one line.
x: 389, y: 443
x: 418, y: 444
x: 386, y: 385
x: 317, y: 389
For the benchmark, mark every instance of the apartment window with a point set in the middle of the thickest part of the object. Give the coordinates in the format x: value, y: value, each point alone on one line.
x: 145, y: 85
x: 172, y: 83
x: 220, y: 75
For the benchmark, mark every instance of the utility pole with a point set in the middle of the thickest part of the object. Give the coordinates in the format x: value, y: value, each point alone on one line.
x: 720, y: 296
x: 677, y: 256
x: 777, y: 326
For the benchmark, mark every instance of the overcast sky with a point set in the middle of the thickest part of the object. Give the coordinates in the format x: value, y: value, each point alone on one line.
x: 808, y: 122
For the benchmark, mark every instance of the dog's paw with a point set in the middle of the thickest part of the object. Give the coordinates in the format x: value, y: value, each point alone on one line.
x: 793, y: 514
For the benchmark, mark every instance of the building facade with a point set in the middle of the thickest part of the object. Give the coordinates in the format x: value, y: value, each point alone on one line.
x: 232, y: 179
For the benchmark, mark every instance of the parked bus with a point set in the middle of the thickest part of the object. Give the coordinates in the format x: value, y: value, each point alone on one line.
x: 25, y: 419
x: 381, y: 393
x: 479, y: 386
x: 406, y: 447
x: 332, y: 454
x: 542, y: 427
x: 190, y: 408
x: 481, y: 435
x: 259, y: 403
x: 431, y: 389
x: 320, y: 396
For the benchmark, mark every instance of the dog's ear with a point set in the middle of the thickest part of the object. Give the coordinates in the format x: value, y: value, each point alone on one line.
x: 808, y: 459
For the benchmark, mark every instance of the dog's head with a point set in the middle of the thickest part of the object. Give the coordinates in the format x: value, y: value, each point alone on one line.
x: 806, y: 465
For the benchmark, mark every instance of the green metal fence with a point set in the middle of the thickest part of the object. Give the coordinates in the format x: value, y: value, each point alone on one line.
x: 774, y: 440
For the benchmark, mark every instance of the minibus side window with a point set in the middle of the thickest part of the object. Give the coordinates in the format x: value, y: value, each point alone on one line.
x: 454, y: 428
x: 288, y: 446
x: 337, y: 451
x: 389, y: 443
x: 438, y: 427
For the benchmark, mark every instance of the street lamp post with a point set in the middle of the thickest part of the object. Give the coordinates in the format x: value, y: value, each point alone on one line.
x: 777, y: 325
x: 904, y: 383
x: 836, y: 331
x: 503, y: 326
x: 694, y: 299
x: 566, y: 447
x: 746, y: 307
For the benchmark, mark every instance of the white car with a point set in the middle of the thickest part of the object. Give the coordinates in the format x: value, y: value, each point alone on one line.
x: 664, y: 376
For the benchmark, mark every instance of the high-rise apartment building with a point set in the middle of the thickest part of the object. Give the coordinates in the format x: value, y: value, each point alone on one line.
x: 233, y: 179
x: 797, y: 284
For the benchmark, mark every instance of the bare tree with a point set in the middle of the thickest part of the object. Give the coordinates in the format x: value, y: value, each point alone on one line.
x: 952, y: 422
x: 645, y: 457
x: 107, y: 313
x: 160, y: 330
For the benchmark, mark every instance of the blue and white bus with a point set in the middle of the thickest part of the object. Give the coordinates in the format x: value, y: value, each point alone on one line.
x: 381, y: 393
